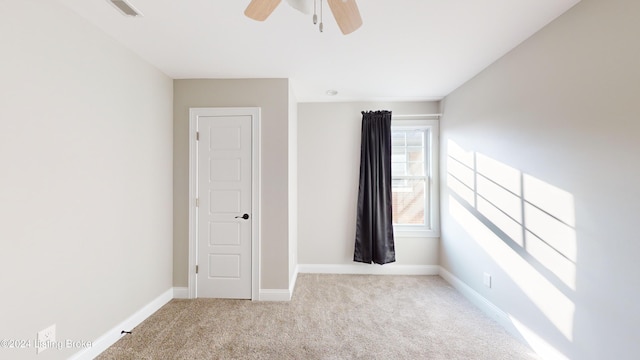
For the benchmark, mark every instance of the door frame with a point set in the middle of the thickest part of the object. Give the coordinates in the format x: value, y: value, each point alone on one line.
x: 194, y: 113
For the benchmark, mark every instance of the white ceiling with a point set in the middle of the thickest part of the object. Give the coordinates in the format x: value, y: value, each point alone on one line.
x: 406, y: 49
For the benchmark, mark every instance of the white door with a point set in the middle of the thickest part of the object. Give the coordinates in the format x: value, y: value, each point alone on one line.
x: 224, y: 162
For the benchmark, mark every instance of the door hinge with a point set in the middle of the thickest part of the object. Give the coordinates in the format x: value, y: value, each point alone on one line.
x: 197, y: 202
x: 196, y: 269
x: 197, y: 135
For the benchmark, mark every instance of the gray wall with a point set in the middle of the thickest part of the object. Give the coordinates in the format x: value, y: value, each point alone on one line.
x: 272, y: 96
x: 554, y: 127
x: 328, y: 171
x: 85, y: 190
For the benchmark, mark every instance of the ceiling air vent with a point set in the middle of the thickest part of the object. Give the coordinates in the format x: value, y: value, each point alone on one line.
x: 125, y: 8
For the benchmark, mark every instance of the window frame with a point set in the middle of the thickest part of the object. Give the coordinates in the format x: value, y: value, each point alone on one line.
x: 432, y: 176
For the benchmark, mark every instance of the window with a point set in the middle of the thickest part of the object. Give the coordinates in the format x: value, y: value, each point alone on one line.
x: 414, y: 177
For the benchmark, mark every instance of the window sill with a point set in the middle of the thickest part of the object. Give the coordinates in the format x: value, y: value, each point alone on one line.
x: 408, y: 233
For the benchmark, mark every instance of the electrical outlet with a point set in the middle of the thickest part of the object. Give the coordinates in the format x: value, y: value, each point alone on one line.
x: 46, y: 339
x: 487, y: 280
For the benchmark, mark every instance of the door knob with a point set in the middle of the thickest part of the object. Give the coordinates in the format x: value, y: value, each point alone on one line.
x: 245, y: 216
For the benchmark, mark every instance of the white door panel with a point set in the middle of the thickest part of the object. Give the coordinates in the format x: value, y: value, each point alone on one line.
x: 224, y: 189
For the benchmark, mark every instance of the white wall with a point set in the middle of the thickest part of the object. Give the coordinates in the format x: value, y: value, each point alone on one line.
x: 555, y: 122
x: 328, y: 171
x: 85, y: 189
x: 272, y: 96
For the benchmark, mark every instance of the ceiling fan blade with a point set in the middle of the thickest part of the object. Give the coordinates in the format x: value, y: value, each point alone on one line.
x: 304, y: 6
x: 261, y: 9
x: 347, y: 15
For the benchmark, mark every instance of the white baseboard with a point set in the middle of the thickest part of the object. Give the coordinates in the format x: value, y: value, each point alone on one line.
x: 480, y: 301
x: 275, y: 295
x: 180, y: 292
x: 512, y: 325
x: 280, y: 294
x: 113, y: 335
x: 365, y: 269
x: 369, y: 269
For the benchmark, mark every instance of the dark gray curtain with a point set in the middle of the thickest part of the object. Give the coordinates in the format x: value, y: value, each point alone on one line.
x: 374, y: 228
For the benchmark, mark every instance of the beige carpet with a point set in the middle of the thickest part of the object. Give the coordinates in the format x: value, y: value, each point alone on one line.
x: 329, y: 317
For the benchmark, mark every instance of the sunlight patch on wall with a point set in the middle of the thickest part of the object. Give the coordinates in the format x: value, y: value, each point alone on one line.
x: 500, y: 196
x: 557, y: 307
x: 543, y: 349
x: 525, y: 224
x: 557, y: 202
x: 538, y: 217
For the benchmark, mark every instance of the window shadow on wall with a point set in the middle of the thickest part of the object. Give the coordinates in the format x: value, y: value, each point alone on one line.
x: 526, y: 225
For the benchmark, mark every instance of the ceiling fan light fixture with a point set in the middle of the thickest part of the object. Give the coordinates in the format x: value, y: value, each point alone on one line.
x: 345, y: 12
x: 304, y: 6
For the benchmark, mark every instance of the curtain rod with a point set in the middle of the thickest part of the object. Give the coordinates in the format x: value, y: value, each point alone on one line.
x: 415, y: 115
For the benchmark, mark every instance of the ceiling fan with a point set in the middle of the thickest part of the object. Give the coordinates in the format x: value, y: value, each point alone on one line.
x: 345, y: 12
